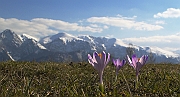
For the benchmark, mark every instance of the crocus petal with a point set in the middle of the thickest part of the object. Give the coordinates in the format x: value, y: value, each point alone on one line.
x: 90, y: 59
x: 103, y: 58
x: 93, y: 62
x: 146, y: 58
x: 97, y: 57
x: 98, y: 60
x: 108, y: 59
x: 94, y: 59
x: 143, y: 59
x: 123, y: 63
x: 130, y: 62
x: 119, y: 65
x: 134, y: 61
x: 114, y: 62
x: 118, y: 62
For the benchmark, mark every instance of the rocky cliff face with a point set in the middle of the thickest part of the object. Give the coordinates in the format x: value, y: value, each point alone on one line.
x: 10, y: 43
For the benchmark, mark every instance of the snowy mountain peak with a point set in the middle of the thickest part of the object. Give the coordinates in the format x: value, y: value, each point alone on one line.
x: 8, y: 37
x: 87, y: 38
x: 63, y: 36
x: 8, y: 34
x: 8, y: 31
x: 60, y: 36
x: 106, y: 41
x: 120, y: 42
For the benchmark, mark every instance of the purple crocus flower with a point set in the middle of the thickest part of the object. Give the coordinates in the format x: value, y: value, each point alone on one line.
x: 99, y: 62
x: 118, y: 64
x: 137, y: 63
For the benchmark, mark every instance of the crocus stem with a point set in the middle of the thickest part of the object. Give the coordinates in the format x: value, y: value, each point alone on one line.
x: 136, y: 86
x: 100, y: 76
x: 116, y: 78
x: 101, y: 86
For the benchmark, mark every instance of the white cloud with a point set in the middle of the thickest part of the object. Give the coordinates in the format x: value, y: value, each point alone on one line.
x: 66, y: 26
x: 160, y: 22
x: 94, y: 25
x: 105, y: 27
x: 129, y: 18
x: 122, y: 28
x: 169, y: 41
x: 40, y: 27
x: 122, y: 22
x: 24, y: 26
x: 169, y: 13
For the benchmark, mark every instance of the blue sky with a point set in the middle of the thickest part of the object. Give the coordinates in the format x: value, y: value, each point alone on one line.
x: 146, y: 23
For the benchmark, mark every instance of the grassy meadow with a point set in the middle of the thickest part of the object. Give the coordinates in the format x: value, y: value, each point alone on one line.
x: 49, y: 79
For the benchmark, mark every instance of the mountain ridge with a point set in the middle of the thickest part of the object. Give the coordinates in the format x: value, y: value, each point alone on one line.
x: 63, y: 47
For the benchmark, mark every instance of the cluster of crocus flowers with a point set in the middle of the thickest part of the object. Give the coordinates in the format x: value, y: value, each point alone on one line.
x: 99, y: 62
x: 137, y: 64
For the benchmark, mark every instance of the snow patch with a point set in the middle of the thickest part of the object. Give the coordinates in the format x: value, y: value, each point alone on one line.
x: 62, y: 36
x: 26, y: 36
x: 160, y: 51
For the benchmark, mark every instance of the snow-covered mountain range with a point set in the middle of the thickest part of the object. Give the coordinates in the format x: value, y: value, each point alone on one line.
x: 63, y: 47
